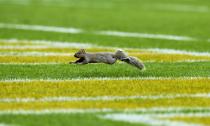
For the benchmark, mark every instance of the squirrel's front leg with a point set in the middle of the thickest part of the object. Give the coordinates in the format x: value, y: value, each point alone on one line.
x: 77, y: 61
x: 83, y: 62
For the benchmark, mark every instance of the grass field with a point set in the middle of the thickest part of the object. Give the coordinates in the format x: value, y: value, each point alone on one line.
x: 38, y: 86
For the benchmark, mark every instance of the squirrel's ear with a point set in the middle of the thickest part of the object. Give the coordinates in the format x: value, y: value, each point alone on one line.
x: 82, y: 50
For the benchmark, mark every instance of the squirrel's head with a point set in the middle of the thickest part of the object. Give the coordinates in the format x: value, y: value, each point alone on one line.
x: 80, y: 53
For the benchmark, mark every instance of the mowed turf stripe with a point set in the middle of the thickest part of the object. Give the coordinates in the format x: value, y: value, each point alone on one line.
x: 21, y: 45
x: 67, y: 71
x: 117, y: 104
x: 36, y: 57
x: 104, y: 98
x: 199, y: 119
x: 150, y: 110
x: 131, y: 89
x: 14, y: 54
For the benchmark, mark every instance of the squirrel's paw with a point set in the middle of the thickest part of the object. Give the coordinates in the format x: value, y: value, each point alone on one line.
x: 71, y: 62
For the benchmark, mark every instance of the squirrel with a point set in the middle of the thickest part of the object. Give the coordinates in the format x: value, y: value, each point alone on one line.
x: 105, y: 57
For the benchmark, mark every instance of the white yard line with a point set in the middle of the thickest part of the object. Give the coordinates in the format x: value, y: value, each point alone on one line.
x: 25, y: 47
x: 60, y: 63
x: 106, y: 33
x: 53, y: 111
x: 4, y: 124
x: 145, y: 35
x: 44, y: 44
x: 41, y: 28
x: 61, y: 3
x: 142, y: 111
x: 145, y: 119
x: 173, y: 115
x: 104, y: 98
x: 35, y: 53
x: 57, y: 44
x: 156, y: 110
x: 105, y: 79
x: 173, y: 51
x: 43, y: 63
x: 51, y: 53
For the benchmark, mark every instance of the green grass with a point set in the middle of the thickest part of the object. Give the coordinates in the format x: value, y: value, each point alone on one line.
x: 143, y: 16
x: 127, y: 15
x: 60, y: 119
x: 66, y: 71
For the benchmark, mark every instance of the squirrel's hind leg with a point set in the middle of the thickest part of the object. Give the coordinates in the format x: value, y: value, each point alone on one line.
x: 126, y: 59
x: 111, y: 60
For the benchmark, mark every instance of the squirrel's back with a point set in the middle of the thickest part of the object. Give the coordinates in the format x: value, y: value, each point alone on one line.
x: 100, y: 57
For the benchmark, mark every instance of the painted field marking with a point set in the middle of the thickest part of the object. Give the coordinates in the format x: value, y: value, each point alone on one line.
x: 60, y: 3
x: 197, y: 111
x: 57, y: 44
x: 145, y: 119
x: 42, y: 55
x: 60, y: 63
x: 165, y: 110
x: 173, y: 51
x: 145, y: 35
x: 41, y: 28
x: 35, y: 53
x: 4, y: 124
x: 104, y: 98
x: 47, y: 63
x: 106, y: 33
x: 105, y: 78
x: 53, y: 111
x: 44, y: 44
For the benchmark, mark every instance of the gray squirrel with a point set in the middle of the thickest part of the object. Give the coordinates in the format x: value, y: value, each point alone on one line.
x: 106, y: 57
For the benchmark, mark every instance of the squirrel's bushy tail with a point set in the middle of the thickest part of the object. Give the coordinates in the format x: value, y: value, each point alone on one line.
x: 134, y: 62
x: 121, y: 55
